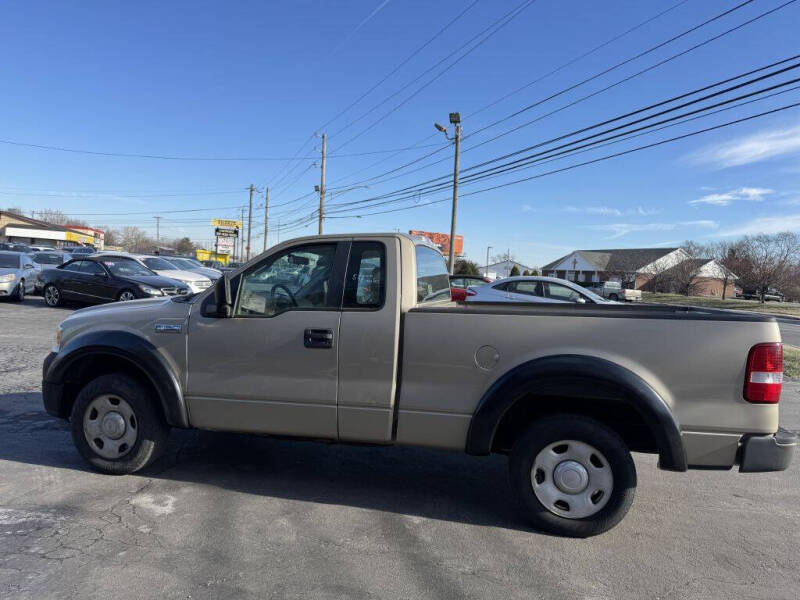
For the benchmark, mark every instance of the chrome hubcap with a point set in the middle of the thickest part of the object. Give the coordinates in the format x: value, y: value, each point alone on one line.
x: 51, y: 295
x: 110, y: 426
x: 125, y: 296
x: 572, y: 479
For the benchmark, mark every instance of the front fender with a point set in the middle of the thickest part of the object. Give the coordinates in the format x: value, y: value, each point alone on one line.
x: 577, y: 377
x: 124, y: 345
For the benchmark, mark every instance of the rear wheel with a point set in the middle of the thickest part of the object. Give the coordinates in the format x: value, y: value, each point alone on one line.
x: 126, y: 295
x: 116, y: 425
x: 52, y: 295
x: 572, y: 476
x: 613, y: 297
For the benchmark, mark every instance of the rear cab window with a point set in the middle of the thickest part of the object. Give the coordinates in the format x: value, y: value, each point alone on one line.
x: 365, y: 286
x: 433, y: 280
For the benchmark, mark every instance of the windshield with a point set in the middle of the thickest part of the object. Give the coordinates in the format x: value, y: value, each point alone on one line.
x: 126, y: 267
x: 48, y: 258
x: 182, y: 263
x: 9, y: 261
x: 158, y: 264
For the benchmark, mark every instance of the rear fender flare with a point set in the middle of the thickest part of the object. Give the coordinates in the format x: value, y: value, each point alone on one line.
x: 576, y: 376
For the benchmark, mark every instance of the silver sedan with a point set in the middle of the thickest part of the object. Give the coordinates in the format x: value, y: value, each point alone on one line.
x: 17, y: 275
x: 534, y: 289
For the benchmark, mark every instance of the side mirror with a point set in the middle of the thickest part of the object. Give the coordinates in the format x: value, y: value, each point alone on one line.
x: 222, y: 295
x: 29, y: 266
x: 581, y: 301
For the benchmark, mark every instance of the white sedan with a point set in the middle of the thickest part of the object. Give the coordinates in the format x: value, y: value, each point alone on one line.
x: 534, y: 289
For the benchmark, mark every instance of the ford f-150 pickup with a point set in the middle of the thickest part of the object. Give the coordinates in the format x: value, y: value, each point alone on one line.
x: 354, y: 338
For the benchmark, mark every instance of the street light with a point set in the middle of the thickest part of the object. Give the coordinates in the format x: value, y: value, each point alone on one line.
x: 455, y: 119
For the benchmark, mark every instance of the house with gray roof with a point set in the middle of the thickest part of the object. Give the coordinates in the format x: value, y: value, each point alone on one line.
x: 645, y: 268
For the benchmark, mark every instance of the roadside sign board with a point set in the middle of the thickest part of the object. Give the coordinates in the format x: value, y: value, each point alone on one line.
x: 222, y: 232
x: 226, y: 223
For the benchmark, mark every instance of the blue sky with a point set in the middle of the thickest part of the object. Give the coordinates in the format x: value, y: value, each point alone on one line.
x: 256, y: 79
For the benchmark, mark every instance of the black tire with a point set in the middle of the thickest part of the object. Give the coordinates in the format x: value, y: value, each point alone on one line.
x: 549, y: 430
x: 54, y: 299
x: 613, y: 297
x: 19, y: 293
x: 124, y: 292
x: 152, y: 429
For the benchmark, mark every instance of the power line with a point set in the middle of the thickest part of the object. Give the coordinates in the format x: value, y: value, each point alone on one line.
x: 444, y: 179
x: 400, y: 66
x: 202, y: 158
x: 593, y: 161
x: 582, y: 99
x: 496, y: 25
x: 641, y: 110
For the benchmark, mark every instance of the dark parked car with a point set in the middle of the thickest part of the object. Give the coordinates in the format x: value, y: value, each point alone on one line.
x: 460, y: 283
x: 80, y: 250
x: 770, y: 295
x: 105, y: 279
x: 14, y: 247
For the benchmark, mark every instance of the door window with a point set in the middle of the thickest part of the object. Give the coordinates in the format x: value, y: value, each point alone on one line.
x: 458, y: 282
x: 529, y: 288
x: 366, y: 276
x: 300, y: 278
x: 90, y: 267
x: 557, y: 291
x: 433, y: 281
x: 75, y: 265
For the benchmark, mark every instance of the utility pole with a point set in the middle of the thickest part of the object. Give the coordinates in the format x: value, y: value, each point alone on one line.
x: 486, y: 270
x: 455, y: 119
x: 241, y: 237
x: 250, y: 219
x: 266, y: 218
x: 322, y: 186
x: 158, y: 230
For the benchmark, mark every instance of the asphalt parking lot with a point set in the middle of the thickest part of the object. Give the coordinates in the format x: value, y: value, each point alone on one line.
x: 224, y: 516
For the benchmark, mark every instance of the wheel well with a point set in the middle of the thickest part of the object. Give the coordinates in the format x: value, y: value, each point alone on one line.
x: 617, y: 416
x: 91, y: 366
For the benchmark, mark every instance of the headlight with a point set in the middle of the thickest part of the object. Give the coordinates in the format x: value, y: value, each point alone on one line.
x: 150, y: 291
x: 57, y: 345
x: 8, y: 277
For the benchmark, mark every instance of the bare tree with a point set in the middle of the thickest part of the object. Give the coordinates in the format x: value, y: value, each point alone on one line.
x: 134, y: 239
x: 16, y: 210
x: 112, y: 237
x: 768, y: 261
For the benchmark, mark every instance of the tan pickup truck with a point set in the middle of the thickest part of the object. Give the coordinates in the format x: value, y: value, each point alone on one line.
x: 354, y: 338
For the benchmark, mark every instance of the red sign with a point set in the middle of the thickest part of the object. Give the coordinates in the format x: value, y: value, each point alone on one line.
x: 441, y: 240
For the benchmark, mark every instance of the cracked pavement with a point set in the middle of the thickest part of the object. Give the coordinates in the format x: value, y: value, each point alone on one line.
x: 223, y: 515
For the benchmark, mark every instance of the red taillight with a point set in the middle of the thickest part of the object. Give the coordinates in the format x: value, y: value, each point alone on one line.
x: 764, y: 374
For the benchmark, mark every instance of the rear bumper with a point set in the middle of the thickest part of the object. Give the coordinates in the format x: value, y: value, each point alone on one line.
x: 761, y: 453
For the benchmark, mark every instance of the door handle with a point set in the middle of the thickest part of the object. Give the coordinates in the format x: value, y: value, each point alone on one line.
x: 318, y: 338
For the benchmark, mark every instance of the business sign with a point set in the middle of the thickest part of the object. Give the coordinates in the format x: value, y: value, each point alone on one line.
x: 440, y: 240
x: 230, y: 233
x: 227, y: 223
x: 226, y: 244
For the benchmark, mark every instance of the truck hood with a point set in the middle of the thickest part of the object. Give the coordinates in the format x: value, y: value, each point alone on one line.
x: 135, y: 316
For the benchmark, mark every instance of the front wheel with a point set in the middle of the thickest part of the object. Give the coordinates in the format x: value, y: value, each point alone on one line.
x: 52, y: 295
x: 19, y: 295
x: 613, y: 297
x: 126, y: 295
x: 572, y: 476
x: 116, y: 425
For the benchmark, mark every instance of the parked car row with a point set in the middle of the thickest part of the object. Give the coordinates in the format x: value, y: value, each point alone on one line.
x: 95, y: 277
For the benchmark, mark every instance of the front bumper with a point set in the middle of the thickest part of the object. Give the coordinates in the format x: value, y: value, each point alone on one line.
x: 760, y: 453
x: 7, y: 287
